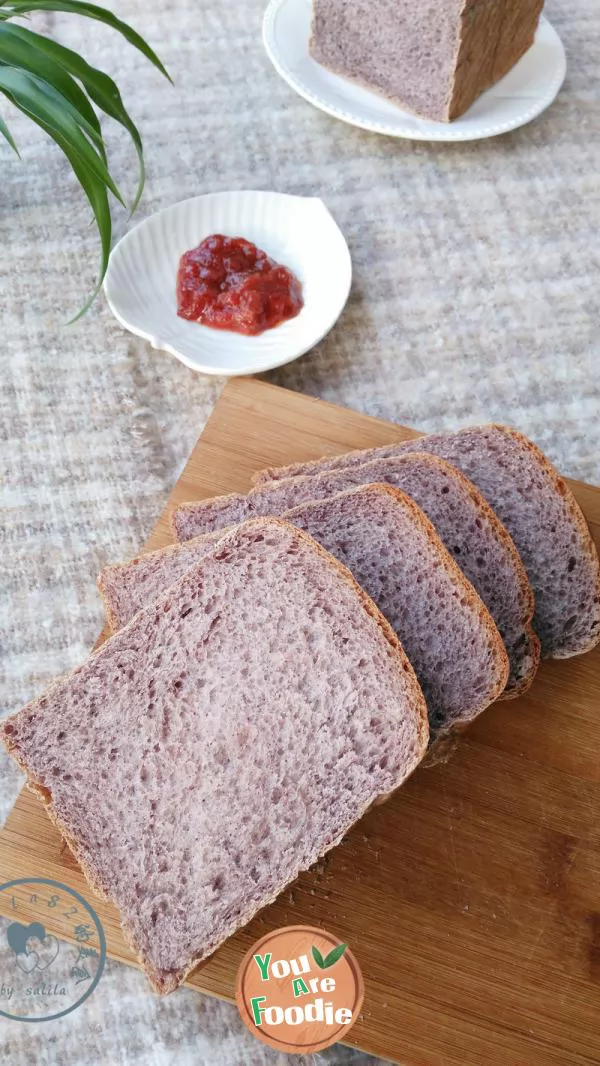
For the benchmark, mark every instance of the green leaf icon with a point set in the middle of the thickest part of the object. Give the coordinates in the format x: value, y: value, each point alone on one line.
x: 334, y: 955
x: 331, y: 959
x: 316, y: 954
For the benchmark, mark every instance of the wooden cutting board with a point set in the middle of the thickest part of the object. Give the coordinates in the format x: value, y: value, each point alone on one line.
x: 472, y: 898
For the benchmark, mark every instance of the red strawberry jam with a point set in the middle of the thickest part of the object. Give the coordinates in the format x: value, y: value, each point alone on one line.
x: 229, y: 283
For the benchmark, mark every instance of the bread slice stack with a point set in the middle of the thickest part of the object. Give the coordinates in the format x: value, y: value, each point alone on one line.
x: 432, y: 57
x: 537, y: 509
x: 464, y: 521
x: 286, y: 664
x: 394, y: 553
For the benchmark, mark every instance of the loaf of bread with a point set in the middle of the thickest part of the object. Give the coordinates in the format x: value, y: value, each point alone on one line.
x: 539, y: 511
x: 462, y: 518
x: 395, y: 555
x: 223, y: 741
x: 432, y: 57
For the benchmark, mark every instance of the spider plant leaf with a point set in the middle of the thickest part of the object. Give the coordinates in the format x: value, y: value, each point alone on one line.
x: 86, y: 164
x: 96, y: 191
x: 81, y: 7
x: 16, y: 50
x: 4, y: 130
x: 58, y: 117
x: 101, y: 89
x: 97, y: 195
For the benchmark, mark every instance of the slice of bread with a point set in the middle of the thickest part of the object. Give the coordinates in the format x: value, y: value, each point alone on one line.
x: 394, y: 552
x: 539, y: 511
x: 223, y: 741
x: 462, y: 518
x: 433, y: 58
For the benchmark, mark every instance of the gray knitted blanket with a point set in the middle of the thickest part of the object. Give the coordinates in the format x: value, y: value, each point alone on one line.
x: 481, y: 265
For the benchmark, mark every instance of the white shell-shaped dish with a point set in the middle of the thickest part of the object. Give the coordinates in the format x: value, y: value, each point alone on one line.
x: 298, y: 232
x: 527, y: 90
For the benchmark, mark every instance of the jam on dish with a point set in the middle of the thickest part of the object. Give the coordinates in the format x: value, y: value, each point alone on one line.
x: 229, y: 283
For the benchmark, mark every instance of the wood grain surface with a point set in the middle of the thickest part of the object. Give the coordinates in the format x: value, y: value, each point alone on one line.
x: 472, y: 898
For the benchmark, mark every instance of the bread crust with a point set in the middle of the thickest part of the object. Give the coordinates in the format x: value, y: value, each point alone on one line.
x: 310, y: 468
x: 415, y: 699
x: 112, y: 618
x: 577, y: 517
x: 493, y: 38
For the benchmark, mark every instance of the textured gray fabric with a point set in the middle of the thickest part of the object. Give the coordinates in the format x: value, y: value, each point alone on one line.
x: 475, y: 298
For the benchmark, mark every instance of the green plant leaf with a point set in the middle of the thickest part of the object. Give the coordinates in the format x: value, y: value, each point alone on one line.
x: 53, y: 94
x: 316, y: 954
x: 101, y: 89
x: 334, y: 956
x: 97, y: 195
x: 58, y: 117
x: 4, y: 130
x: 92, y: 11
x: 87, y: 165
x: 16, y: 50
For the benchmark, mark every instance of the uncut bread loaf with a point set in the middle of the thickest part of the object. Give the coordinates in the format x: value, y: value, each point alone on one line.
x: 539, y: 511
x: 223, y: 741
x: 432, y: 57
x: 395, y: 555
x: 463, y: 520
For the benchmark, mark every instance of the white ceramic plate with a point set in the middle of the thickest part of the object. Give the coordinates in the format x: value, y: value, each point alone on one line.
x: 521, y: 96
x: 298, y: 232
